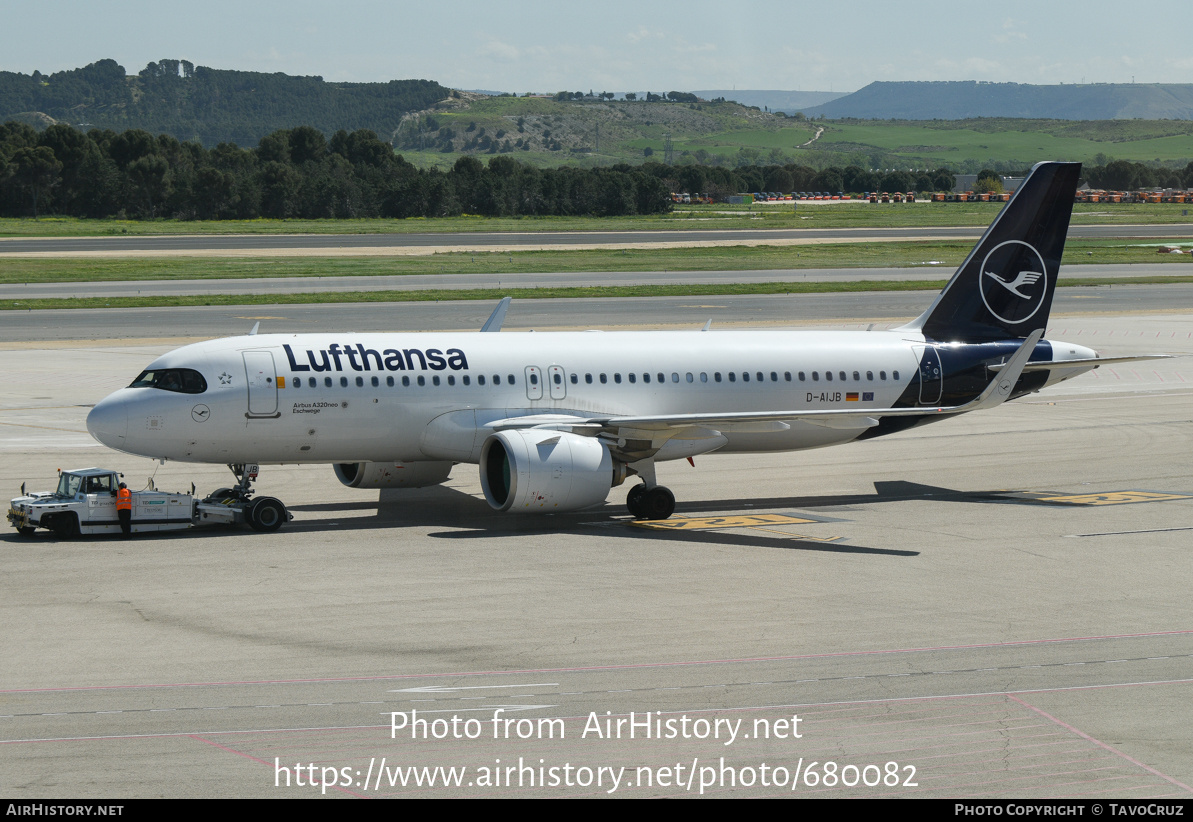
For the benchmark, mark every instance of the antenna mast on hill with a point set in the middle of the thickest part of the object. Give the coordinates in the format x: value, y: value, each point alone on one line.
x: 668, y: 150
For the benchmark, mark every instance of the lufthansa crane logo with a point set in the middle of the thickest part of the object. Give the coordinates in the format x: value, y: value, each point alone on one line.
x: 1013, y: 281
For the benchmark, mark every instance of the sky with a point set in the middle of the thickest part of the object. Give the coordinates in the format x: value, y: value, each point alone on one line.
x: 616, y: 45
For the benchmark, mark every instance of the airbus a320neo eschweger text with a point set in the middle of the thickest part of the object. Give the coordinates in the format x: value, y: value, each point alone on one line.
x: 556, y: 420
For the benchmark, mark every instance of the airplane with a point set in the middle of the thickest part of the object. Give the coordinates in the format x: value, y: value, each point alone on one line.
x: 556, y: 420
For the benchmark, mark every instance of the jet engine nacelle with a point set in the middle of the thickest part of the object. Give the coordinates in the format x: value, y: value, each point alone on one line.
x: 541, y: 471
x: 392, y: 474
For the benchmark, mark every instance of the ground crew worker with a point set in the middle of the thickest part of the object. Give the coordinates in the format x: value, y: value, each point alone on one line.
x: 124, y: 509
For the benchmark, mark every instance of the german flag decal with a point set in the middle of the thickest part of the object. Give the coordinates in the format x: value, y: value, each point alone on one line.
x: 851, y: 396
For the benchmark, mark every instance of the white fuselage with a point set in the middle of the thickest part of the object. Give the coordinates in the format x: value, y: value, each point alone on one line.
x: 408, y: 397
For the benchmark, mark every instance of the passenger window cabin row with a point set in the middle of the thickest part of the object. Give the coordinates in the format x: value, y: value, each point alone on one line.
x: 603, y: 379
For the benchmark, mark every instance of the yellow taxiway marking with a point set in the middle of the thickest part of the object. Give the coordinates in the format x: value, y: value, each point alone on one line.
x: 803, y: 537
x: 701, y: 523
x: 1113, y: 498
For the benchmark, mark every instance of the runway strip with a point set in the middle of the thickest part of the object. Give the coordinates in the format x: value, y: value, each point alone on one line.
x: 582, y: 279
x: 428, y: 243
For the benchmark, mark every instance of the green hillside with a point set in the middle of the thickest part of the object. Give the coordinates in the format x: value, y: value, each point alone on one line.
x: 1003, y: 144
x: 590, y: 132
x: 432, y: 126
x: 956, y: 100
x: 548, y: 132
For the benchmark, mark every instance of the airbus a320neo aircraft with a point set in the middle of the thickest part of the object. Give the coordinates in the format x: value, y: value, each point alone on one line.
x: 555, y: 420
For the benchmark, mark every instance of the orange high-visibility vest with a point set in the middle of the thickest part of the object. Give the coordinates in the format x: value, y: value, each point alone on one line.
x: 124, y: 500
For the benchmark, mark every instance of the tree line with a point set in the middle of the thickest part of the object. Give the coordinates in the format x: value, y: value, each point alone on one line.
x: 300, y: 173
x: 292, y: 173
x: 1123, y: 175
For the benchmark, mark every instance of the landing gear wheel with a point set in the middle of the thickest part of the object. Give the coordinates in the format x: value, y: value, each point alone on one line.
x: 658, y: 503
x: 27, y: 531
x: 267, y: 515
x: 633, y: 501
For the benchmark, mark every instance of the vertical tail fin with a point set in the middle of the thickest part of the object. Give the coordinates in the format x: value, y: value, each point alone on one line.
x: 1004, y: 288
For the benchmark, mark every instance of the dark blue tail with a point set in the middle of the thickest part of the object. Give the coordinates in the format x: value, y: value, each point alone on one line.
x: 1004, y: 288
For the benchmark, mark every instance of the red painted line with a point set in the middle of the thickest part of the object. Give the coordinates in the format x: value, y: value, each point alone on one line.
x: 1102, y: 744
x: 269, y: 764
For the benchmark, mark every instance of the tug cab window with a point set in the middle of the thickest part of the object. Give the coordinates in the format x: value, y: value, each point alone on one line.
x: 181, y: 380
x: 98, y: 485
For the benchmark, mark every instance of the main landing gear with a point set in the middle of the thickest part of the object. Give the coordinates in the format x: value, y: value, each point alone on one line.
x: 650, y: 503
x: 264, y: 514
x: 649, y: 500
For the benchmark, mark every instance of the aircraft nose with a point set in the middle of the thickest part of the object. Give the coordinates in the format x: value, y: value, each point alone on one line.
x: 108, y: 422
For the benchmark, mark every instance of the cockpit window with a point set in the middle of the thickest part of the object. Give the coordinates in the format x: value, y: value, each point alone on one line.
x: 182, y: 380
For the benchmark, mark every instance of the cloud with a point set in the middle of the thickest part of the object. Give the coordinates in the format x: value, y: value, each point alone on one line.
x: 1010, y: 32
x: 643, y: 33
x: 497, y: 50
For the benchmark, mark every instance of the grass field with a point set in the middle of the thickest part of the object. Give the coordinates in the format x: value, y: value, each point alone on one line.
x: 845, y: 215
x: 589, y: 292
x: 727, y: 258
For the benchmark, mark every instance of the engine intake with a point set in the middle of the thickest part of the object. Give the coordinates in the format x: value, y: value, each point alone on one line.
x: 542, y: 471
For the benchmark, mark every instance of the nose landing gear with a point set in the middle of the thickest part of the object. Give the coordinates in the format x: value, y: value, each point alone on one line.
x: 264, y: 514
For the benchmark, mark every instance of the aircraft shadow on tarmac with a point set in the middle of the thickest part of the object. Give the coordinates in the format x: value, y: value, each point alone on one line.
x: 471, y: 518
x: 451, y: 508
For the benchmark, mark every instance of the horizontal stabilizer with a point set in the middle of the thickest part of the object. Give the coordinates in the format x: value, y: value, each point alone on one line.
x: 1086, y: 363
